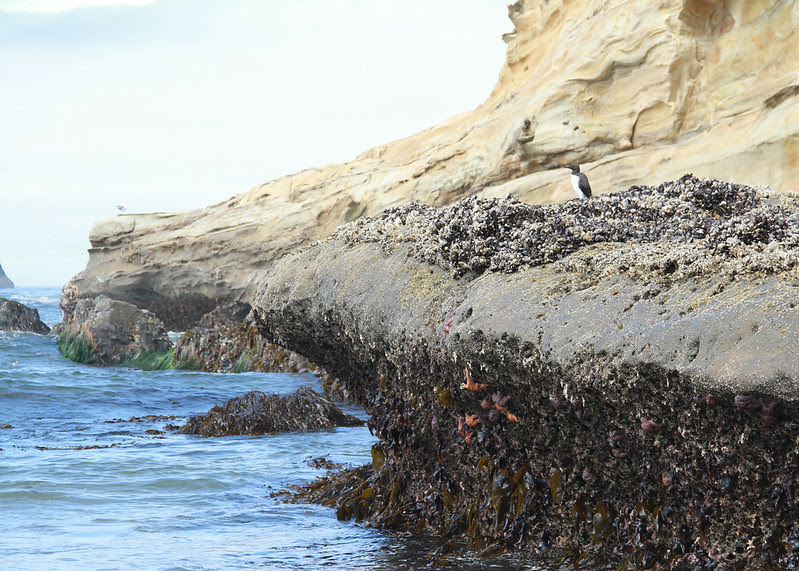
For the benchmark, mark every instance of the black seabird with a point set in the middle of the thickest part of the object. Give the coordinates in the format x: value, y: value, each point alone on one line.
x: 580, y: 182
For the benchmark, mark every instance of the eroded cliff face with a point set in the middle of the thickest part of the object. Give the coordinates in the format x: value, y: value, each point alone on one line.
x: 637, y: 93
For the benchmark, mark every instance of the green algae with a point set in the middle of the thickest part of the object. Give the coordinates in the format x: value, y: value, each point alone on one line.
x: 80, y: 349
x: 150, y: 361
x: 77, y: 348
x: 185, y: 362
x: 242, y: 364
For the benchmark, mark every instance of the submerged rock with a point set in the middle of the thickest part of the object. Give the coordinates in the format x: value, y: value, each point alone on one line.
x: 259, y: 413
x: 632, y: 396
x: 106, y: 331
x: 15, y: 316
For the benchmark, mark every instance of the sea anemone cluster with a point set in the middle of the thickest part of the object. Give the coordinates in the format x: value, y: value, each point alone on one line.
x: 705, y: 225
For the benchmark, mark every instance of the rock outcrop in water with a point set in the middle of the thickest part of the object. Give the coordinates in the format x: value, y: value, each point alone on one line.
x: 105, y: 331
x: 226, y: 340
x: 5, y: 283
x: 637, y: 94
x: 614, y: 379
x: 259, y: 413
x: 15, y: 316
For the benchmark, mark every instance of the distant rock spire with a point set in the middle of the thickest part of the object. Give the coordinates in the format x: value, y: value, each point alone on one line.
x: 5, y: 283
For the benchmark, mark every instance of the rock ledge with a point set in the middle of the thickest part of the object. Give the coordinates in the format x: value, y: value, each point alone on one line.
x: 634, y: 392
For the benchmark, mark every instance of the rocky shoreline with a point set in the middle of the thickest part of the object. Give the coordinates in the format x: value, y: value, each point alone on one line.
x: 612, y: 380
x: 15, y: 316
x: 635, y: 95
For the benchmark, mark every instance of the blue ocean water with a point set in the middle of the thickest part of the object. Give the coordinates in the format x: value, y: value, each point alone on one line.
x: 91, y: 479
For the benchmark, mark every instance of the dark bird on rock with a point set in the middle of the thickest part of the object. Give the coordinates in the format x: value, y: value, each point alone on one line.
x: 579, y: 182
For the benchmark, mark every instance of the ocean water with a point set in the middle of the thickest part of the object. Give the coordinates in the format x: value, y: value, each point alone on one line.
x: 91, y: 479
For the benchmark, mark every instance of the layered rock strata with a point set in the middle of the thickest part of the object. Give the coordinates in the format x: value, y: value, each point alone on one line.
x: 15, y: 316
x: 637, y: 94
x: 258, y: 413
x: 615, y: 379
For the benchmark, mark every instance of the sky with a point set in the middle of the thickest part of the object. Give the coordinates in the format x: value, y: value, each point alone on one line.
x: 165, y: 105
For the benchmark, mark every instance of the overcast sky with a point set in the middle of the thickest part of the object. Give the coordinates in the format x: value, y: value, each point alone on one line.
x: 172, y: 104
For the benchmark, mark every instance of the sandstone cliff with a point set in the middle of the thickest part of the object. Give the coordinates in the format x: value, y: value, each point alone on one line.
x: 636, y: 92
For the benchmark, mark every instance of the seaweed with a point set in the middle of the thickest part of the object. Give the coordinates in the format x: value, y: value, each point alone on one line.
x: 152, y: 361
x: 78, y: 348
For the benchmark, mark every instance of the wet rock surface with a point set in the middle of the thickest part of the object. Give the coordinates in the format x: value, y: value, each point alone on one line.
x: 227, y: 340
x: 258, y: 413
x: 15, y: 316
x: 629, y: 398
x: 178, y: 310
x: 107, y: 332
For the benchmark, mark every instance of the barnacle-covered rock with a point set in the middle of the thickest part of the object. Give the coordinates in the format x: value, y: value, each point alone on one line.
x: 631, y: 389
x: 259, y: 413
x: 226, y: 340
x: 701, y: 226
x: 15, y: 316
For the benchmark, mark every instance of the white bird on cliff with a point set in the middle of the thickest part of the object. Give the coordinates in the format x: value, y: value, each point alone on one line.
x: 579, y: 182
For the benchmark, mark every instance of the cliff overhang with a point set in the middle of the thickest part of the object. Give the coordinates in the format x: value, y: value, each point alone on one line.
x: 635, y: 94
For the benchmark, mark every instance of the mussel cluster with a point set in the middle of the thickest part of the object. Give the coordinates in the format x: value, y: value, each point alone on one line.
x: 646, y: 472
x: 716, y: 219
x: 500, y: 449
x: 260, y: 413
